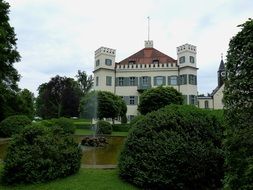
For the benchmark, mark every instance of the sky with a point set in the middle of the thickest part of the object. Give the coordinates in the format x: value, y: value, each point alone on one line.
x: 59, y: 37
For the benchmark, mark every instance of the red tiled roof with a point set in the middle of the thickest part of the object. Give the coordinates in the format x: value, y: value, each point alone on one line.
x: 147, y: 56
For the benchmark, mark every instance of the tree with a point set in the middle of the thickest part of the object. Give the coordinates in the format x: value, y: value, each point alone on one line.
x: 156, y: 98
x: 26, y: 103
x: 85, y: 82
x: 238, y: 99
x: 102, y: 104
x: 8, y: 56
x: 60, y: 97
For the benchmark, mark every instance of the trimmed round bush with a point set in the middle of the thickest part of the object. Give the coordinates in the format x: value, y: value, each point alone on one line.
x: 176, y: 147
x: 104, y: 127
x: 39, y: 154
x: 13, y: 125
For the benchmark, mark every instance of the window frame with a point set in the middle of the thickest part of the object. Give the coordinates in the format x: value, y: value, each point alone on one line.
x: 182, y: 59
x: 108, y: 81
x: 108, y: 63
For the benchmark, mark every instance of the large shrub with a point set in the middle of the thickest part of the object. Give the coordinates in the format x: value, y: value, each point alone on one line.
x: 176, y: 147
x: 13, y: 125
x: 39, y: 154
x: 156, y: 98
x: 104, y: 127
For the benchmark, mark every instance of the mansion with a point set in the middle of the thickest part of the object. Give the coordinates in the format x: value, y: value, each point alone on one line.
x: 146, y: 69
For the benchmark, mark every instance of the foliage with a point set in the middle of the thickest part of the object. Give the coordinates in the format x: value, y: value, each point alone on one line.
x: 123, y: 119
x: 102, y: 104
x: 13, y: 125
x: 136, y: 119
x: 121, y: 127
x: 37, y: 155
x: 26, y: 103
x: 156, y: 98
x: 8, y: 56
x: 60, y: 97
x: 238, y: 98
x: 176, y: 147
x: 66, y: 124
x: 104, y: 127
x: 85, y: 82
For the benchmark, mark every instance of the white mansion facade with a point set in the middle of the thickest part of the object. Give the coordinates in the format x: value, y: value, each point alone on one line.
x: 146, y: 69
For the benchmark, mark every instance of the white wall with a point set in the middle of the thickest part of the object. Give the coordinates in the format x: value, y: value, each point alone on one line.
x: 217, y: 98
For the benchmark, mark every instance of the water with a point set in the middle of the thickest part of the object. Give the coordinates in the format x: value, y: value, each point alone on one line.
x: 107, y: 155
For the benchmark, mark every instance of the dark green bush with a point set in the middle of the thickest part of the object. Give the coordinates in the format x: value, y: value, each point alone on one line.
x: 136, y: 119
x: 159, y: 97
x: 13, y: 125
x: 121, y: 127
x: 39, y: 154
x: 177, y: 147
x: 66, y: 124
x: 104, y: 127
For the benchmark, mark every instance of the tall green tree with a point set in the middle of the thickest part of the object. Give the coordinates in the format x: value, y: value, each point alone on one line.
x: 156, y: 98
x: 238, y: 99
x: 60, y: 97
x: 26, y: 103
x: 8, y: 56
x: 85, y: 82
x: 102, y: 104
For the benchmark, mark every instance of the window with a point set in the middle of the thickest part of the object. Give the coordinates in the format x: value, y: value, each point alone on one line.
x: 182, y: 59
x: 206, y: 104
x: 97, y: 62
x: 121, y: 81
x: 192, y: 99
x: 108, y: 62
x: 185, y: 99
x: 144, y: 80
x: 193, y: 79
x: 97, y: 81
x: 159, y: 80
x: 133, y: 81
x: 172, y: 80
x: 192, y: 59
x: 130, y: 117
x: 131, y: 100
x: 183, y: 79
x: 108, y: 81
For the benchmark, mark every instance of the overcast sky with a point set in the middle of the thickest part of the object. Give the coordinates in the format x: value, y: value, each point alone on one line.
x: 59, y: 37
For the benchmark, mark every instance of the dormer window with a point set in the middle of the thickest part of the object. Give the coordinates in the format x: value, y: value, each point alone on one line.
x: 182, y: 59
x: 108, y: 62
x: 155, y: 61
x: 192, y: 59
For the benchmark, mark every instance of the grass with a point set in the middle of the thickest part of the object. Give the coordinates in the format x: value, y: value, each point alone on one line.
x: 90, y: 132
x: 85, y: 179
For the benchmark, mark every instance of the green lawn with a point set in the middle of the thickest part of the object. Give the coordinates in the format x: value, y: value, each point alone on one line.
x: 90, y: 132
x: 86, y: 179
